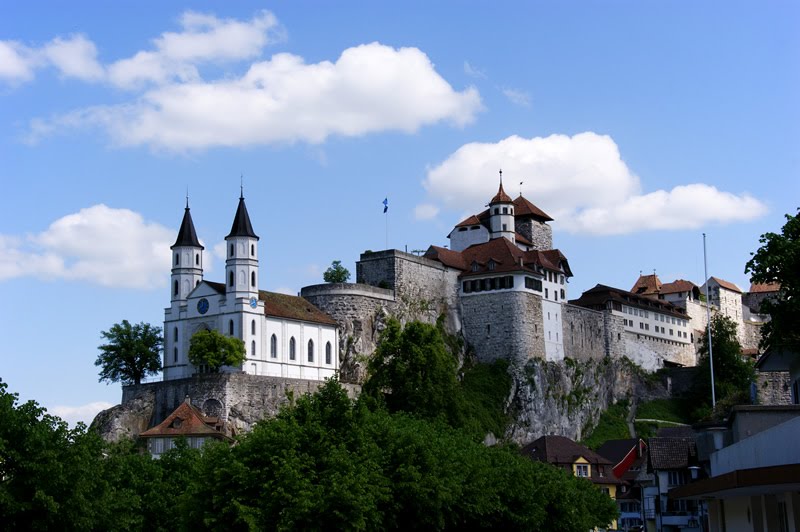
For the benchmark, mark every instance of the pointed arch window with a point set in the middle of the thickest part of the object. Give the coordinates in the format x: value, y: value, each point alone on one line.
x: 252, y: 250
x: 328, y: 353
x: 230, y: 327
x: 175, y: 288
x: 292, y: 354
x: 311, y: 350
x: 175, y: 354
x: 253, y: 327
x: 197, y: 259
x: 231, y: 250
x: 253, y: 349
x: 273, y: 346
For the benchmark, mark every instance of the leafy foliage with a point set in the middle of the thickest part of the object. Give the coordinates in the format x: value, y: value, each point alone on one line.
x: 215, y: 350
x: 132, y: 352
x: 778, y: 261
x: 336, y: 273
x: 611, y: 426
x: 732, y: 372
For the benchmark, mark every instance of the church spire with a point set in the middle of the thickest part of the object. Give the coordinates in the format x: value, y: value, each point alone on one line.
x: 241, y: 222
x: 186, y: 234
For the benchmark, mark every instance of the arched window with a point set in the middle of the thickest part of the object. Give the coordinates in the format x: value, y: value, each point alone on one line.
x: 311, y: 350
x: 230, y: 278
x: 230, y: 327
x: 253, y: 349
x: 197, y: 282
x: 175, y: 354
x: 291, y: 348
x: 252, y: 250
x: 175, y: 334
x: 252, y: 278
x: 328, y: 353
x: 253, y: 327
x: 231, y: 250
x: 175, y: 288
x: 197, y: 259
x: 176, y: 259
x: 273, y: 346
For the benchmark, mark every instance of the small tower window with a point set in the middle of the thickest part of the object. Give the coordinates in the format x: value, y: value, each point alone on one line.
x: 175, y: 334
x: 253, y: 327
x: 177, y: 260
x: 496, y: 210
x: 505, y: 210
x: 328, y: 353
x: 505, y: 227
x: 273, y: 346
x: 231, y: 250
x: 252, y: 278
x: 230, y: 327
x: 230, y: 278
x: 291, y: 348
x: 197, y: 259
x: 175, y: 288
x: 252, y: 250
x: 175, y: 354
x: 253, y: 349
x: 311, y: 350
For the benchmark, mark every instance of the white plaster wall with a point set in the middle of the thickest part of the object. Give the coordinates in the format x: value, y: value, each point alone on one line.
x: 553, y: 330
x: 461, y: 240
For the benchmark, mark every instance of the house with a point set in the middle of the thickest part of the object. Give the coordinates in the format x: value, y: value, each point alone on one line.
x: 629, y: 459
x: 754, y: 464
x: 185, y: 422
x: 578, y: 460
x: 671, y: 462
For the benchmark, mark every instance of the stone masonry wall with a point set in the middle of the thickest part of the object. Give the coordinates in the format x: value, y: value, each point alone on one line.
x: 539, y: 233
x: 651, y: 354
x: 584, y: 333
x: 751, y: 334
x: 504, y: 325
x: 774, y: 388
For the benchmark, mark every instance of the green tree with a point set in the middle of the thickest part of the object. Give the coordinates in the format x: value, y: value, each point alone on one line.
x: 215, y: 350
x: 132, y: 352
x: 732, y: 372
x: 336, y: 273
x: 778, y: 261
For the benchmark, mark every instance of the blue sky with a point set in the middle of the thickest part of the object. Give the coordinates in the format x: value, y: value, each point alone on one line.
x: 636, y: 125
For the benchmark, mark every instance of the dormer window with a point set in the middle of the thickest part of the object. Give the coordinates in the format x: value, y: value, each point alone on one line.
x: 474, y: 266
x: 491, y: 265
x: 176, y: 423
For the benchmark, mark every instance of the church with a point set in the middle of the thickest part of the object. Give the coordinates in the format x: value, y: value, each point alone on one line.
x: 284, y: 336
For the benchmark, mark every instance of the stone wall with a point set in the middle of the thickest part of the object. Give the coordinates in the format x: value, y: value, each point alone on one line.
x: 539, y: 233
x: 753, y: 300
x: 650, y: 354
x: 584, y: 333
x: 504, y: 325
x: 751, y: 334
x: 774, y: 388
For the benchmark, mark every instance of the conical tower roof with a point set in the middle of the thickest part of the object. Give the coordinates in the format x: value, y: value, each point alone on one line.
x: 241, y: 222
x: 501, y: 196
x: 186, y: 234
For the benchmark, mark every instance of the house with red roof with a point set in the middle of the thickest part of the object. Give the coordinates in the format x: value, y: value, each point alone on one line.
x: 186, y: 422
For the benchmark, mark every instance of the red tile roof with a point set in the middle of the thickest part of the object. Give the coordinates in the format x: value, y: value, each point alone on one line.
x: 727, y: 285
x: 472, y: 220
x: 597, y: 297
x: 501, y: 196
x: 285, y: 306
x: 679, y: 285
x: 647, y: 284
x: 526, y: 209
x: 448, y: 257
x: 186, y: 420
x: 758, y: 288
x: 507, y: 258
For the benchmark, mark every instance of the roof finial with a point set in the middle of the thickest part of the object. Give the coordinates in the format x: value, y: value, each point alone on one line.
x: 187, y: 196
x: 501, y: 177
x: 241, y: 186
x: 520, y: 188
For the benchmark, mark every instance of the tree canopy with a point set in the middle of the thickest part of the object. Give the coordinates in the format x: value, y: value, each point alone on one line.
x: 732, y: 372
x: 213, y: 349
x: 336, y: 273
x: 132, y: 352
x: 778, y: 261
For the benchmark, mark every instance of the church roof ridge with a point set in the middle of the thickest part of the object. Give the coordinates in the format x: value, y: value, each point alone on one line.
x: 187, y: 236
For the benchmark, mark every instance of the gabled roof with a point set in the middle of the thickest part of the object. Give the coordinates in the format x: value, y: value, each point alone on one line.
x: 448, y: 257
x: 672, y: 453
x: 759, y: 288
x: 526, y: 209
x: 186, y: 234
x: 472, y: 220
x: 501, y: 196
x: 241, y: 222
x: 285, y: 306
x: 726, y: 284
x: 679, y: 285
x: 186, y: 420
x: 507, y: 257
x: 561, y: 450
x: 601, y: 294
x: 647, y: 284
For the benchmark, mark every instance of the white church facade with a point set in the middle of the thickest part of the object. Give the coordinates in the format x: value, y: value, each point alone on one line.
x: 284, y: 336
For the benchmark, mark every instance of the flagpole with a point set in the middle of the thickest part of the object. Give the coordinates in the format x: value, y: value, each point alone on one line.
x: 708, y: 317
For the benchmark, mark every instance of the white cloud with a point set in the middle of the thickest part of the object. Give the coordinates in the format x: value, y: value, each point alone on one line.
x: 370, y: 88
x: 425, y: 211
x: 285, y: 290
x: 75, y: 57
x: 517, y: 97
x: 85, y: 413
x: 473, y: 71
x: 16, y: 64
x: 583, y: 183
x: 99, y: 244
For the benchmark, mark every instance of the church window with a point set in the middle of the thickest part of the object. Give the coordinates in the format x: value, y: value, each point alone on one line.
x: 291, y: 348
x: 177, y: 260
x: 175, y: 288
x: 197, y: 259
x: 252, y: 250
x: 328, y: 353
x: 242, y: 278
x: 253, y: 349
x: 230, y: 278
x: 252, y: 278
x: 175, y: 334
x: 230, y: 327
x: 253, y: 327
x: 175, y: 354
x: 231, y: 250
x: 273, y: 346
x: 311, y: 350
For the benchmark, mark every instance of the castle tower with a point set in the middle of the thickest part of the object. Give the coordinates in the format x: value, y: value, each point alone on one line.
x: 241, y: 266
x: 501, y: 214
x: 187, y: 260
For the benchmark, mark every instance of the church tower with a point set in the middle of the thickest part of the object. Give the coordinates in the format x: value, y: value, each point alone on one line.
x: 187, y: 260
x: 241, y: 266
x: 501, y: 214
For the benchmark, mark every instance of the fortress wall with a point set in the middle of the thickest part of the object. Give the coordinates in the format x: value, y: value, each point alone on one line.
x: 751, y: 334
x: 650, y: 354
x: 504, y: 325
x: 539, y: 233
x: 584, y: 333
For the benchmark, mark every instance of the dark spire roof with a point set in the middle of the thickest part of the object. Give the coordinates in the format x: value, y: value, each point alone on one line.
x: 186, y: 234
x: 241, y: 222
